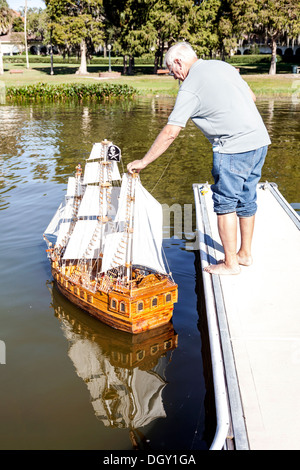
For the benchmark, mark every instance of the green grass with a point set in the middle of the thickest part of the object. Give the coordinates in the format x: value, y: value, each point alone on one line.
x: 144, y: 81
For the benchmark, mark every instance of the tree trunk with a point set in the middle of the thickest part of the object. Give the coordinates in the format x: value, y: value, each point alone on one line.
x: 124, y: 64
x: 25, y: 35
x: 131, y: 65
x: 156, y: 59
x: 83, y: 68
x: 272, y: 70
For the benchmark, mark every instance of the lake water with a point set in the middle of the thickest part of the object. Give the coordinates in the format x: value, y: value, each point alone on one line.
x: 67, y: 381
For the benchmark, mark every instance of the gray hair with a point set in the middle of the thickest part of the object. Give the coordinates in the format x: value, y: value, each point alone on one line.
x: 180, y: 50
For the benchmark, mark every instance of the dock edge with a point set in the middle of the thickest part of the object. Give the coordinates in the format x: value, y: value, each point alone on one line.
x: 231, y: 431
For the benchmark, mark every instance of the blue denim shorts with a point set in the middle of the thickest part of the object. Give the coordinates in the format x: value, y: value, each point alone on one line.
x: 236, y: 177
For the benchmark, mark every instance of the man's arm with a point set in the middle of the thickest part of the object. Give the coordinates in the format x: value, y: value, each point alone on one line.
x: 162, y: 142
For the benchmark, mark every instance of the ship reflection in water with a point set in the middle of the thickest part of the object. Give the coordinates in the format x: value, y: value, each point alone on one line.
x: 123, y: 372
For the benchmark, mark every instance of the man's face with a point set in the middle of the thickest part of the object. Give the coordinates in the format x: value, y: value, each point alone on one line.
x: 179, y: 70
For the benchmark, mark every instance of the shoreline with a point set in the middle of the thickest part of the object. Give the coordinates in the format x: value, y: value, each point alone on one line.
x: 263, y: 85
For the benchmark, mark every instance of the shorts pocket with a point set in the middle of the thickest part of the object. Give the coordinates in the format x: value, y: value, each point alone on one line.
x: 241, y: 163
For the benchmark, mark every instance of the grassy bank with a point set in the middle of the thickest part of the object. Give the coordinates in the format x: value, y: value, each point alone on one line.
x: 147, y: 84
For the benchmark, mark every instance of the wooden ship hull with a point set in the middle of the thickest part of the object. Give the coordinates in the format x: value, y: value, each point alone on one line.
x: 145, y: 306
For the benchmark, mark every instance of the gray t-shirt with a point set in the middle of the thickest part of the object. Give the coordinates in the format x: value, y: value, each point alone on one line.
x: 219, y: 102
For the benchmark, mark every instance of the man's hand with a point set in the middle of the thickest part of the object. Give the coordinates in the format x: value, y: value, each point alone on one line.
x: 136, y: 165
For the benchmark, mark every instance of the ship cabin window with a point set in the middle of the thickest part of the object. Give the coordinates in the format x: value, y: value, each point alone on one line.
x: 154, y: 302
x: 140, y: 355
x: 82, y: 294
x: 90, y: 298
x: 168, y: 344
x: 154, y: 349
x: 114, y: 304
x: 168, y: 297
x: 140, y: 306
x: 122, y: 307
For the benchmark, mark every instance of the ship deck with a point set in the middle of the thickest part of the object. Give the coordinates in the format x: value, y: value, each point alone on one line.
x: 254, y: 326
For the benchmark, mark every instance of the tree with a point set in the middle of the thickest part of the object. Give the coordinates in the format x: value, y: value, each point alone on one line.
x: 277, y: 17
x: 148, y: 26
x: 5, y: 24
x: 169, y: 22
x: 76, y: 24
x: 269, y: 18
x: 6, y: 17
x: 203, y: 31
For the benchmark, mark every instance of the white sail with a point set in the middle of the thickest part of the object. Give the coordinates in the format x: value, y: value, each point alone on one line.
x: 114, y: 201
x: 67, y: 214
x: 92, y: 172
x: 147, y: 230
x: 114, y: 251
x: 115, y: 174
x: 52, y: 230
x: 90, y: 204
x: 81, y: 240
x: 92, y: 199
x: 121, y: 213
x: 74, y: 189
x: 96, y: 152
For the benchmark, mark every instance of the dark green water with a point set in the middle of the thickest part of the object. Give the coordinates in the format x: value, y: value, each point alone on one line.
x: 69, y: 382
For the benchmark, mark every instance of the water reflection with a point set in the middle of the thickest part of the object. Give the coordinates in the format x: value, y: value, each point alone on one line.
x: 124, y: 373
x: 45, y: 142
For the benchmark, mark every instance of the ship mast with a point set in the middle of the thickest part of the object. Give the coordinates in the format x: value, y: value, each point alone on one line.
x: 104, y: 185
x: 130, y: 205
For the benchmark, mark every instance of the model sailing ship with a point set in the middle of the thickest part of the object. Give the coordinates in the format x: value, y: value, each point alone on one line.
x: 105, y: 246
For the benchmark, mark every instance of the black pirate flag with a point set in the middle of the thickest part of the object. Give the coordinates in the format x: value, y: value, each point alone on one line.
x: 113, y: 153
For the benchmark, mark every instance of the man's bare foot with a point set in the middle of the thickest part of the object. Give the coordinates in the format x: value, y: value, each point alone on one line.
x: 221, y: 268
x: 244, y: 260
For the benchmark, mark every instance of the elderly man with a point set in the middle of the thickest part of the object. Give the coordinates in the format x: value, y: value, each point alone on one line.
x: 222, y: 106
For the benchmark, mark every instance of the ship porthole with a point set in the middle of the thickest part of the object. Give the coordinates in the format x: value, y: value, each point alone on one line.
x: 122, y: 307
x: 154, y: 302
x: 168, y: 297
x: 140, y: 306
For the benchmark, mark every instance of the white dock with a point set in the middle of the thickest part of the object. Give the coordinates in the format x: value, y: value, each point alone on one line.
x: 254, y: 323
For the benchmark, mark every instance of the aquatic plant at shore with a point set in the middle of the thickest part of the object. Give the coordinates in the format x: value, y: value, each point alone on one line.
x: 79, y: 91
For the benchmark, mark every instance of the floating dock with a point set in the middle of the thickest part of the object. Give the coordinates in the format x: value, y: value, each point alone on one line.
x: 254, y: 327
